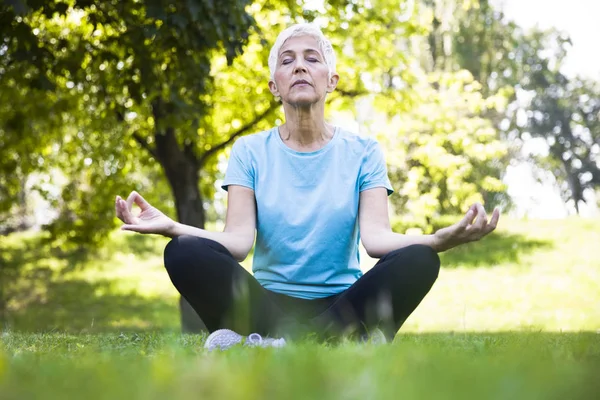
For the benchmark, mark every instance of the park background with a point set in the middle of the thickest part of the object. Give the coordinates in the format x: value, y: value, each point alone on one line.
x: 490, y: 101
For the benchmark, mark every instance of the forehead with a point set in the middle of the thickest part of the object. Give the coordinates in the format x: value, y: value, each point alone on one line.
x: 299, y: 44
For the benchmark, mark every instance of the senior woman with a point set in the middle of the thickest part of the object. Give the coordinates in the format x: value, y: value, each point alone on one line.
x: 310, y: 191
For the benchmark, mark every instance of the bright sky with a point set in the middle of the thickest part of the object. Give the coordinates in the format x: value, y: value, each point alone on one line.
x: 577, y: 18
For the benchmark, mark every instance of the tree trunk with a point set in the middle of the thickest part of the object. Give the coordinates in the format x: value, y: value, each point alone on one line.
x: 188, y: 202
x: 3, y: 301
x: 181, y: 168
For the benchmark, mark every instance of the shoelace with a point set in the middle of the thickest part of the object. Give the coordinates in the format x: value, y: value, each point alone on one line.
x: 256, y: 340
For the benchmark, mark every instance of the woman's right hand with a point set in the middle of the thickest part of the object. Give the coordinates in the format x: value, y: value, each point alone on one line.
x: 149, y: 220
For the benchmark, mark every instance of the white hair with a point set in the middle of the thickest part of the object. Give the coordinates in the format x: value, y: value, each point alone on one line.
x: 303, y: 30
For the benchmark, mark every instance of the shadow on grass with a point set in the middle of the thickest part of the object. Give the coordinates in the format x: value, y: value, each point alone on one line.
x: 80, y: 306
x: 496, y: 249
x: 143, y: 246
x: 35, y: 297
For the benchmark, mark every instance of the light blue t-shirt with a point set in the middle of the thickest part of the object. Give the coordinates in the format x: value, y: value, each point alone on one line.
x: 307, y: 208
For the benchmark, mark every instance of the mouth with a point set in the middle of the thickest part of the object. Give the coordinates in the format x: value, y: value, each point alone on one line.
x: 301, y: 82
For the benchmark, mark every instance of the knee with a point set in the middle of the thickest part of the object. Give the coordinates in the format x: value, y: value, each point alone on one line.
x: 422, y: 258
x: 427, y: 259
x: 182, y: 249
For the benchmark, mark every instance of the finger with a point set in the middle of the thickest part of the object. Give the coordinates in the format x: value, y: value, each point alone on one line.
x: 117, y: 209
x: 481, y: 217
x: 130, y: 200
x: 467, y: 220
x: 128, y: 217
x: 137, y: 228
x: 132, y: 228
x: 141, y: 202
x: 494, y: 221
x: 137, y: 198
x: 472, y: 215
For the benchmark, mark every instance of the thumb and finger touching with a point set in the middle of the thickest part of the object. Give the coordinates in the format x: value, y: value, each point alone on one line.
x: 475, y: 222
x: 137, y: 198
x: 468, y: 218
x: 481, y: 220
x: 494, y: 221
x: 124, y: 210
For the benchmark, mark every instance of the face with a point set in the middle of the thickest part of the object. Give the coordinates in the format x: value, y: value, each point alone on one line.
x: 302, y: 76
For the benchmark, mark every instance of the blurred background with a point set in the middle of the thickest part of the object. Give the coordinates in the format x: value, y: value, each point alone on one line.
x: 475, y: 100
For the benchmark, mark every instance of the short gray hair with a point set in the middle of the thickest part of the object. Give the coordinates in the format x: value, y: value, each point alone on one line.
x: 304, y: 29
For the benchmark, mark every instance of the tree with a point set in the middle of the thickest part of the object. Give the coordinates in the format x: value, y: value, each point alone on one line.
x: 445, y: 150
x: 161, y: 77
x: 544, y: 104
x: 443, y: 154
x: 566, y: 114
x: 124, y: 59
x: 561, y: 110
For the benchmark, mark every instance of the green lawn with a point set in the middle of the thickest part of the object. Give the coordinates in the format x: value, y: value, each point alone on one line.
x: 416, y: 366
x: 516, y: 315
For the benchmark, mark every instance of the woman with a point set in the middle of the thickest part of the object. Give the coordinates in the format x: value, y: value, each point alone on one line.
x: 310, y: 191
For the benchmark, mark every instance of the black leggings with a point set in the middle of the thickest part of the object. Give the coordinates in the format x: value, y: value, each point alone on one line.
x: 225, y: 295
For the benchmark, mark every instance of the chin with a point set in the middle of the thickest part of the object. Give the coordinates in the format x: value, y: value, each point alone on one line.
x: 303, y: 101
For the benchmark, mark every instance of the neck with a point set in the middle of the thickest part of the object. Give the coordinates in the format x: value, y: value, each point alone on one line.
x: 305, y: 126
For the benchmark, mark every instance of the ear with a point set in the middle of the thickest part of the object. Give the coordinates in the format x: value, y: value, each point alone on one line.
x: 333, y: 81
x: 273, y: 88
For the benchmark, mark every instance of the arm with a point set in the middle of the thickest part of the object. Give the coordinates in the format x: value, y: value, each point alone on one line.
x: 379, y: 239
x: 237, y: 237
x: 240, y: 224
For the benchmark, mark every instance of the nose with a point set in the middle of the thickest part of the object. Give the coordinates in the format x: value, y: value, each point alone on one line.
x: 299, y: 66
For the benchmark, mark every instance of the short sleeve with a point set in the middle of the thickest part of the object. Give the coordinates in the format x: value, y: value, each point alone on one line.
x: 239, y: 168
x: 373, y: 171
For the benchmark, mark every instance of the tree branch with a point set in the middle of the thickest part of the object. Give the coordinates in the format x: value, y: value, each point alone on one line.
x: 145, y: 145
x: 240, y: 132
x: 351, y: 93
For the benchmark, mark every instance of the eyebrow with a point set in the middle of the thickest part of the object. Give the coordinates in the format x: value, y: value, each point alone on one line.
x: 309, y: 50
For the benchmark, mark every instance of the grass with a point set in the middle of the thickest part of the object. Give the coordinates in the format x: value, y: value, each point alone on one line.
x: 513, y: 316
x: 432, y: 366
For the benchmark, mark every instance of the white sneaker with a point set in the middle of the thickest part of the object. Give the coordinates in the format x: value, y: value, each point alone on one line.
x: 376, y: 336
x: 223, y: 339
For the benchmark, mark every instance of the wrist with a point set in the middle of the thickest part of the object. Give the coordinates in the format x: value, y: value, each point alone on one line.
x: 172, y: 230
x: 433, y: 242
x: 437, y: 243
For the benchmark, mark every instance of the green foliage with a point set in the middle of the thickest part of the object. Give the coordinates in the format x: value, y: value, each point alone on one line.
x: 132, y: 84
x: 443, y: 155
x: 561, y: 110
x: 93, y: 81
x: 486, y: 44
x: 565, y: 113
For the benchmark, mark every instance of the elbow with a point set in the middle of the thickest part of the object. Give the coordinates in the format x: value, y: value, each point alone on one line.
x: 243, y: 248
x: 372, y: 249
x: 240, y: 256
x: 375, y: 243
x: 374, y: 253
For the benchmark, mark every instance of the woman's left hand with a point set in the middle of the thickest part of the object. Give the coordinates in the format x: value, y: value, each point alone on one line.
x: 468, y: 229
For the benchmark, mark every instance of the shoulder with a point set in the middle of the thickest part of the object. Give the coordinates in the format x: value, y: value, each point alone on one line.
x: 357, y: 143
x: 253, y: 145
x: 255, y: 139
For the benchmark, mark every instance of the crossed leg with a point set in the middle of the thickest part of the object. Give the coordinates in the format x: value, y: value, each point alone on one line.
x: 225, y: 295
